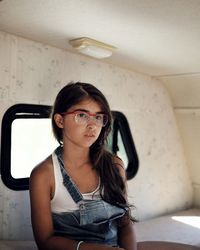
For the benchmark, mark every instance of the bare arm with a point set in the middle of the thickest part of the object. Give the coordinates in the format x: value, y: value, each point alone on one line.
x: 127, y: 239
x: 126, y: 233
x: 40, y: 197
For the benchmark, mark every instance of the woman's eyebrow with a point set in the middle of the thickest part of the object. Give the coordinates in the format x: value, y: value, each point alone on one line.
x: 87, y: 111
x: 84, y: 110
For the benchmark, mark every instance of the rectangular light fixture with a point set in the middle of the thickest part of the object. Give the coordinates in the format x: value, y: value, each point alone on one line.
x: 91, y: 47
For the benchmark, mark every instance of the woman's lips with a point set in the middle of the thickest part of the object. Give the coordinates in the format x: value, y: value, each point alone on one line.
x: 89, y: 135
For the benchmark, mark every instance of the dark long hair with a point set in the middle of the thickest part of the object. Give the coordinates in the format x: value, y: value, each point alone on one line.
x: 112, y: 187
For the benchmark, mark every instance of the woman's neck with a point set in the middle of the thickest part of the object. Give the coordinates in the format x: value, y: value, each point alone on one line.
x: 75, y: 156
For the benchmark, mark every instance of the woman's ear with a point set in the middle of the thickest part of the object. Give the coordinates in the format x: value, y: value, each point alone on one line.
x: 58, y: 120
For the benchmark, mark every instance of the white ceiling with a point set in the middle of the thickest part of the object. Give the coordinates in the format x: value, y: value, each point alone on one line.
x: 156, y: 37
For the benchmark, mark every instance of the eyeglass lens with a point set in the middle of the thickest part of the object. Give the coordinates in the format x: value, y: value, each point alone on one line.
x: 99, y: 119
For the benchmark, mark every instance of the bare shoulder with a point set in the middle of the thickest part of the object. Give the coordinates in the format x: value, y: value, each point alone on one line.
x: 120, y: 165
x: 42, y: 172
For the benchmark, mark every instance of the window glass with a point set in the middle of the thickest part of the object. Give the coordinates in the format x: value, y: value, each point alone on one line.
x: 32, y: 141
x: 118, y: 148
x: 122, y: 152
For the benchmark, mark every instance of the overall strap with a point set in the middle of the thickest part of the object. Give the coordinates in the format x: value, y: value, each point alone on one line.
x: 67, y: 182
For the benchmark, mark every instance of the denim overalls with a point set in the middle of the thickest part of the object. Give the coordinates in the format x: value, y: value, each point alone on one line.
x: 95, y: 221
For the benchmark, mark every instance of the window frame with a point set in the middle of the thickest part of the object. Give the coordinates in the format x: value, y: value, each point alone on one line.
x: 16, y: 111
x: 37, y: 111
x: 120, y: 123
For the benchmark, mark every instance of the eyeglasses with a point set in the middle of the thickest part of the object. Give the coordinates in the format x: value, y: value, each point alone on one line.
x: 83, y: 117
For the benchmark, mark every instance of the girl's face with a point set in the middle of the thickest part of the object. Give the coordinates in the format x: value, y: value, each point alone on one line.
x: 76, y: 129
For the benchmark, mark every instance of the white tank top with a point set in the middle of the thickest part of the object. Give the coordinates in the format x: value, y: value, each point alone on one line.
x: 62, y: 200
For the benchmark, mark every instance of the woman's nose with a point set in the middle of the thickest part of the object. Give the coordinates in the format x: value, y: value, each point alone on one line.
x: 91, y: 124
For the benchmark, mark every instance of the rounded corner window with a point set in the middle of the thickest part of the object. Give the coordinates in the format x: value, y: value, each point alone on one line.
x: 20, y: 140
x: 123, y: 144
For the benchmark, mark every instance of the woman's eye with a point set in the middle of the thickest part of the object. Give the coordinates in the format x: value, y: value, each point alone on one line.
x: 99, y: 117
x: 82, y: 115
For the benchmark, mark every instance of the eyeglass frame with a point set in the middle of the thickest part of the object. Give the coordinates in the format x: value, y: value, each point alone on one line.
x: 88, y: 113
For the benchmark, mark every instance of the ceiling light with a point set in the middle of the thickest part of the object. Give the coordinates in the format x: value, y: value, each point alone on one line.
x: 91, y: 47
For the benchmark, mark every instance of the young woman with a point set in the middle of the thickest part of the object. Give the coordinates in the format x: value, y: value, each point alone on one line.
x: 78, y: 194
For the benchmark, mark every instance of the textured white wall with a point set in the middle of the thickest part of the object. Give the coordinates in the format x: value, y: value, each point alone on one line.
x: 31, y: 72
x: 189, y: 124
x: 184, y: 90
